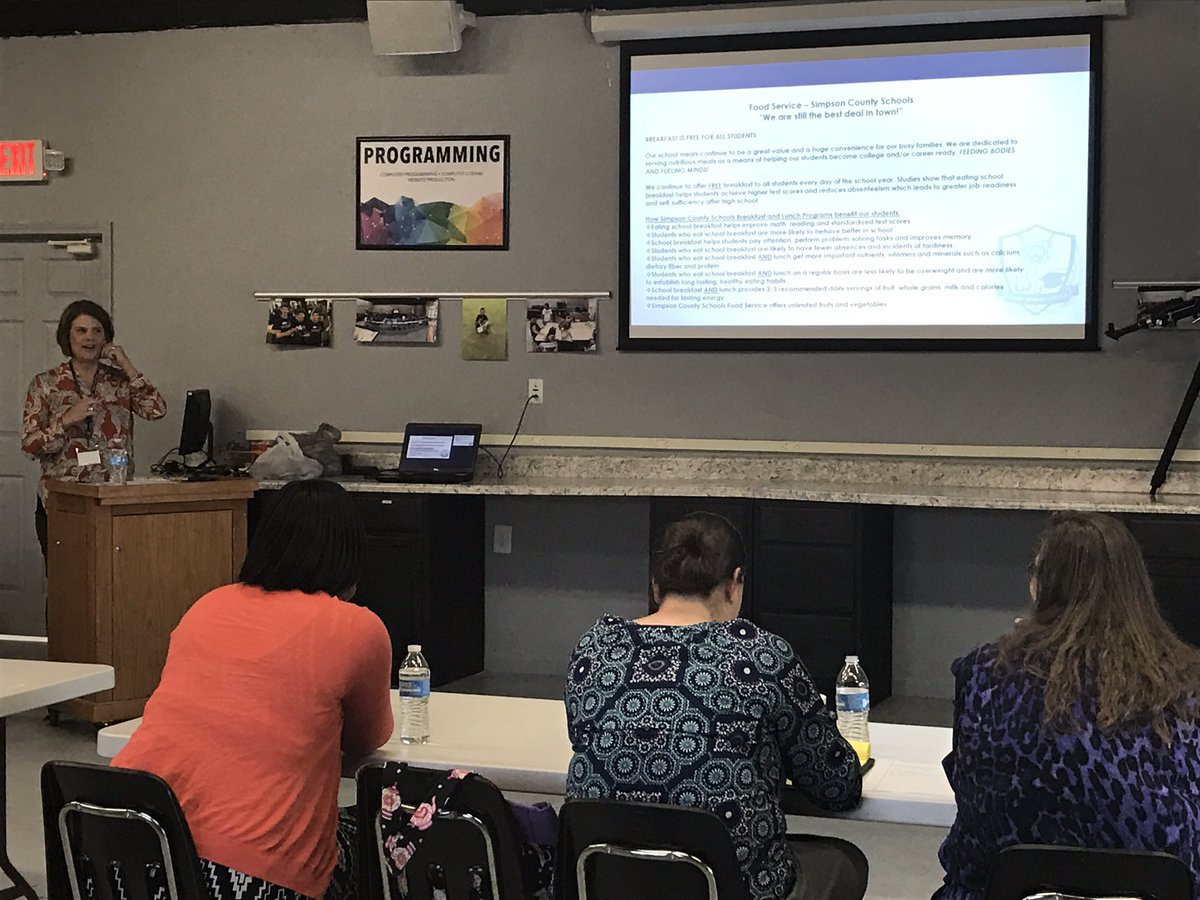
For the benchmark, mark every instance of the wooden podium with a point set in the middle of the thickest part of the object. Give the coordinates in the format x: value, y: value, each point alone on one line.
x: 125, y: 562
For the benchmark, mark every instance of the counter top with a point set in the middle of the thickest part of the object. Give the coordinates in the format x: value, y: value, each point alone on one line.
x: 961, y: 484
x: 151, y: 490
x: 889, y: 495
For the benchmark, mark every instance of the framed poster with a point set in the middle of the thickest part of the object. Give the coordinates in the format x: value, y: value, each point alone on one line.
x: 432, y: 193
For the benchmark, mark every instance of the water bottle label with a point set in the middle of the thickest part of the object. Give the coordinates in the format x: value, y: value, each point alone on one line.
x: 853, y: 703
x: 414, y: 687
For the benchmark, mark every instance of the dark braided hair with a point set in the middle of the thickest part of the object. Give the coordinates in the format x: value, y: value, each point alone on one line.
x: 696, y: 554
x: 310, y: 538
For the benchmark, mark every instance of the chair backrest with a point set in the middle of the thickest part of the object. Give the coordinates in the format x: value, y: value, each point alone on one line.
x: 1029, y: 870
x: 116, y: 834
x: 469, y: 852
x: 621, y: 850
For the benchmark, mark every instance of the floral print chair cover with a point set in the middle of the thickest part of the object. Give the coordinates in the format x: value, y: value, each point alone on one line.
x: 403, y: 823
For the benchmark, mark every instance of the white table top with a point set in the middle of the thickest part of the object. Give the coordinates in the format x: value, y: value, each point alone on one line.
x: 29, y: 683
x: 521, y: 745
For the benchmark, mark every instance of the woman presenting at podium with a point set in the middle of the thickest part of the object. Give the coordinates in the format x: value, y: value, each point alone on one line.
x: 75, y: 410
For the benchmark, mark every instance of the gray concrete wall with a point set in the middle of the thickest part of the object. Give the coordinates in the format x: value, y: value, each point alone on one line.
x: 573, y: 559
x: 959, y: 581
x: 224, y: 158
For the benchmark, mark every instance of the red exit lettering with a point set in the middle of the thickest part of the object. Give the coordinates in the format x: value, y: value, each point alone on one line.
x: 17, y: 157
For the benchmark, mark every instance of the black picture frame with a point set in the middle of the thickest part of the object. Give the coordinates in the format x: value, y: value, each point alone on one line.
x: 471, y: 144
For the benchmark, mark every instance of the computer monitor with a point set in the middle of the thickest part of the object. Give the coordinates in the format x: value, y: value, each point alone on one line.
x: 195, y: 437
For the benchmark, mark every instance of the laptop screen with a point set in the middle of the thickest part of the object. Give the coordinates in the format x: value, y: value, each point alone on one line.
x: 440, y: 448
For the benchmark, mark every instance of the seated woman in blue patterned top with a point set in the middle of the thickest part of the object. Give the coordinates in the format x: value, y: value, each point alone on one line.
x: 695, y: 707
x: 1078, y: 727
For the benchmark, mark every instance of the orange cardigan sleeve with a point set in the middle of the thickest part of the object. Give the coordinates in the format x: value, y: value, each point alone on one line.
x: 367, y: 702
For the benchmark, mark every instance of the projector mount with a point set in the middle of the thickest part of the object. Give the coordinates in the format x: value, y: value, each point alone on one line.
x: 1160, y: 314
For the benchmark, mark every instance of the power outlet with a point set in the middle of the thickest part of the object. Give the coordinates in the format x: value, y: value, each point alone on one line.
x: 502, y: 539
x: 535, y: 391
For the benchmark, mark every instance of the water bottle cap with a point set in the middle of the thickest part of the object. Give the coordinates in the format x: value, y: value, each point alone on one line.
x: 414, y: 648
x: 849, y: 659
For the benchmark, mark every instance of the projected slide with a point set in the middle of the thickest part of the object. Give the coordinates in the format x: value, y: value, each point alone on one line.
x: 921, y: 191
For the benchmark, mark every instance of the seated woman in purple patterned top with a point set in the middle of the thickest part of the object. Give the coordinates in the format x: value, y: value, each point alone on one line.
x: 1078, y: 728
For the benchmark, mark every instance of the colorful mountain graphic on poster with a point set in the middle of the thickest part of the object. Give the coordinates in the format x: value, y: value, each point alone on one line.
x: 439, y: 223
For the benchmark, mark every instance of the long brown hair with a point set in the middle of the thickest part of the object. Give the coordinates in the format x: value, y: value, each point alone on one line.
x: 1095, y: 626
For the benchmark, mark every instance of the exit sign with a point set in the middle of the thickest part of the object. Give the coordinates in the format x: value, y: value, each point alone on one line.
x: 22, y: 161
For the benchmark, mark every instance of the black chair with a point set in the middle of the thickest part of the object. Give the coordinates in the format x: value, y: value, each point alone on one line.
x: 473, y: 841
x: 1032, y: 870
x: 116, y: 834
x: 621, y: 850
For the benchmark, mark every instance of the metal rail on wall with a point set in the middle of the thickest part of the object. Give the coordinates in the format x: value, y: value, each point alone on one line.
x: 432, y: 295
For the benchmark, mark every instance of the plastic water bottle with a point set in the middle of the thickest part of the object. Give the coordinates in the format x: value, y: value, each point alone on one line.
x: 413, y: 676
x: 854, y: 707
x: 116, y: 462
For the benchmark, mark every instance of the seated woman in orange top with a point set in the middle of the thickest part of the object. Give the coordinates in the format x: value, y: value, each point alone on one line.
x: 266, y: 683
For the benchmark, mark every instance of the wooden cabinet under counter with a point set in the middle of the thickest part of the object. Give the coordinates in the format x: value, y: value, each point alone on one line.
x: 818, y: 574
x: 1171, y: 547
x: 422, y: 575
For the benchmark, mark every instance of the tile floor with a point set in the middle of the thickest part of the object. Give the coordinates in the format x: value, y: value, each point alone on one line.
x: 31, y: 742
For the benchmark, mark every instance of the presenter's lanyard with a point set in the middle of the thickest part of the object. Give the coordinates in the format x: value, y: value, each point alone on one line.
x: 91, y: 393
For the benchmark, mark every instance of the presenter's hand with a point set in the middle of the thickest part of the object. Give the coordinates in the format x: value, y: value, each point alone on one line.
x: 115, y: 354
x: 81, y: 410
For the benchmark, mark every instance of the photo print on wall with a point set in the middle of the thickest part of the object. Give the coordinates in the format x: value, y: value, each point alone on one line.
x: 401, y: 321
x: 300, y: 323
x: 485, y: 328
x: 561, y: 326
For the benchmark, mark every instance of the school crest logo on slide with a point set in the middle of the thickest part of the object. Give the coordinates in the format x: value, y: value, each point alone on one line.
x: 1037, y: 267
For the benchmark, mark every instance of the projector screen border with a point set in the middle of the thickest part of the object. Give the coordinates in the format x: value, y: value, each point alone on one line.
x: 1089, y: 341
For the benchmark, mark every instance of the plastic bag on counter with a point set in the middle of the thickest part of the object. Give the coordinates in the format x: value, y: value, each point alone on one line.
x: 319, y: 445
x: 285, y: 461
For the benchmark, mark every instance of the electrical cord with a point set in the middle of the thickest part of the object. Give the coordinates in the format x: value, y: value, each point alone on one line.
x: 174, y: 469
x: 494, y: 459
x: 516, y: 431
x: 159, y: 468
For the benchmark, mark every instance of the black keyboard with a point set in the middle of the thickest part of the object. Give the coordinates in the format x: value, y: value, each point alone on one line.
x: 395, y: 476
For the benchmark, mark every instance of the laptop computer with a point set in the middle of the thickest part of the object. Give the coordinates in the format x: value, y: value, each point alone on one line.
x: 436, y: 453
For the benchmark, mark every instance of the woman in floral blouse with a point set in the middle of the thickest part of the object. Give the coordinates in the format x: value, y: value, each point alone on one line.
x: 85, y: 403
